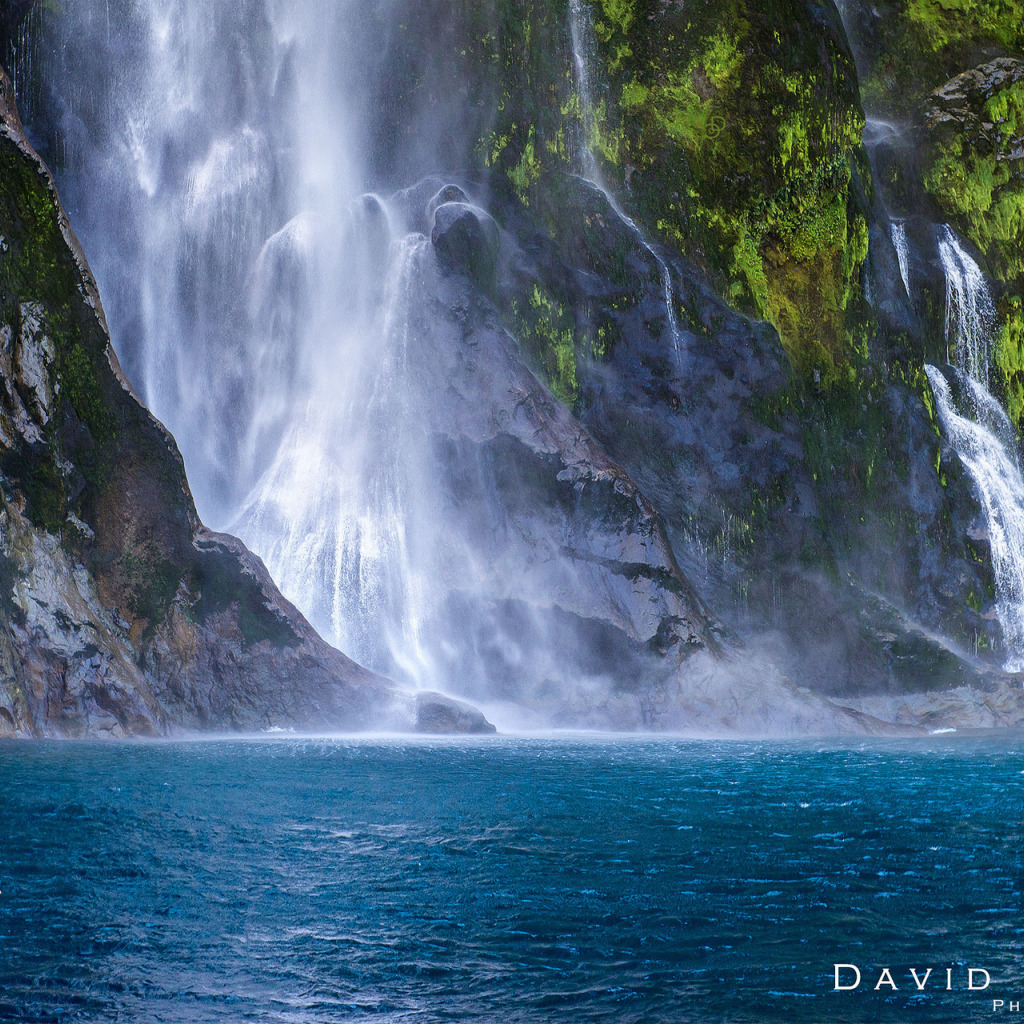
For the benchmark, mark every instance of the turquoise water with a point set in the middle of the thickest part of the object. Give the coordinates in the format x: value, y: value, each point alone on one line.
x: 299, y: 880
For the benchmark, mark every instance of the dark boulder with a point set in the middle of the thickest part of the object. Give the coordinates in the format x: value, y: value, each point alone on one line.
x: 466, y: 240
x: 447, y: 194
x: 436, y: 713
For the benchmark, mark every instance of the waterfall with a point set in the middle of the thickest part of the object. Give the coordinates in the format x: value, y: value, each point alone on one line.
x: 970, y: 312
x: 979, y: 431
x: 899, y: 241
x: 256, y: 183
x: 582, y: 33
x: 259, y: 293
x: 334, y: 516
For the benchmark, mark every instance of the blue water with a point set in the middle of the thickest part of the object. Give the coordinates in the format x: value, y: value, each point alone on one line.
x: 298, y: 880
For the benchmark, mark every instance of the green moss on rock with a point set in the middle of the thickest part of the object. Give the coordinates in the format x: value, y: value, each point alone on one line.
x: 82, y: 389
x: 975, y: 161
x: 1010, y: 356
x: 738, y: 122
x: 547, y: 330
x: 151, y: 583
x: 913, y: 46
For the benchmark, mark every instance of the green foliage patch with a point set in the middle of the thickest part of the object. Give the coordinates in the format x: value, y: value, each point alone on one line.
x: 735, y: 124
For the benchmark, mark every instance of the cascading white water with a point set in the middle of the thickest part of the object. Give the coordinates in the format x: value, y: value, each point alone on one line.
x: 970, y: 312
x: 259, y: 298
x: 899, y: 240
x: 982, y: 436
x: 980, y: 432
x: 349, y: 406
x: 333, y: 514
x: 582, y: 33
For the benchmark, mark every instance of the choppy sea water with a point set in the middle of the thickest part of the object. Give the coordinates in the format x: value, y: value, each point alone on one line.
x: 299, y: 880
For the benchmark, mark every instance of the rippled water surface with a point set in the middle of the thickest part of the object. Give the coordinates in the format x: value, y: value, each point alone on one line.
x: 507, y: 880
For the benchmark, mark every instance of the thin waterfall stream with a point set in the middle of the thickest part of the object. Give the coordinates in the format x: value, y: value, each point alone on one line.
x: 970, y: 312
x: 582, y: 33
x: 899, y: 240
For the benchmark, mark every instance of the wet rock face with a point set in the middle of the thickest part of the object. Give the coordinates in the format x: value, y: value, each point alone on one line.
x: 756, y: 479
x: 436, y: 713
x: 561, y: 592
x: 120, y: 614
x: 581, y: 512
x: 466, y: 238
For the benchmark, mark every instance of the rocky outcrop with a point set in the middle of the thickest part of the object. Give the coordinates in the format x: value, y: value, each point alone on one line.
x: 578, y: 611
x: 997, y: 702
x: 974, y: 127
x: 438, y: 714
x: 982, y: 103
x: 549, y: 546
x: 120, y: 614
x: 466, y: 237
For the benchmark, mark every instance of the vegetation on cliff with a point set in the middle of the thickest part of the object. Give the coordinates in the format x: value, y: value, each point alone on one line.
x: 736, y: 127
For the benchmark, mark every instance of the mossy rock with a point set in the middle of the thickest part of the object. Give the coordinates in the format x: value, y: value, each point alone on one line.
x: 734, y: 126
x: 910, y: 47
x: 975, y: 172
